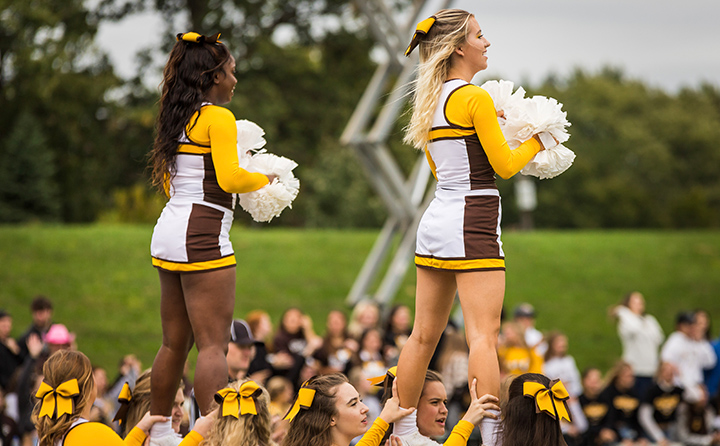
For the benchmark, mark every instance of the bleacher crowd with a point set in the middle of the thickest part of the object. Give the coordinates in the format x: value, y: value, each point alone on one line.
x: 664, y: 390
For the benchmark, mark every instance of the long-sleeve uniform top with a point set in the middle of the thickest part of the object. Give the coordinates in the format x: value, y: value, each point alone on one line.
x: 460, y: 230
x: 86, y: 433
x: 192, y: 233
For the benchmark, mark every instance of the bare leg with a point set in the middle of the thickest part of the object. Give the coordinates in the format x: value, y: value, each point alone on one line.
x: 176, y: 343
x: 433, y: 302
x: 481, y: 297
x: 210, y: 300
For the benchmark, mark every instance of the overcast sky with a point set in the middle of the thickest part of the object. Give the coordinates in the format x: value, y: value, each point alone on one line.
x: 667, y: 44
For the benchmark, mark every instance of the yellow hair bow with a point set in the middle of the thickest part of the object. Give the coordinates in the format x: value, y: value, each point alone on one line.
x: 303, y: 400
x: 380, y: 380
x: 124, y: 399
x: 421, y: 30
x: 552, y: 400
x: 242, y: 401
x: 198, y: 38
x: 57, y: 402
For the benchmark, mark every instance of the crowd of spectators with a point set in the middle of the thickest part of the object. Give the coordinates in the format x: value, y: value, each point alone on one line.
x: 663, y: 390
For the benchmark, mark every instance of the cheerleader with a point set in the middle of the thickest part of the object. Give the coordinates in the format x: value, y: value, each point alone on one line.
x: 328, y: 412
x: 194, y: 161
x: 65, y: 399
x: 458, y: 239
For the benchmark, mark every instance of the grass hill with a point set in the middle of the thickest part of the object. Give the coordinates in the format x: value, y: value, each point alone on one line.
x: 106, y: 291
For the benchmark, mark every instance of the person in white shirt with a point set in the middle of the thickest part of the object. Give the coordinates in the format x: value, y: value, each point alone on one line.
x: 641, y: 336
x: 690, y: 352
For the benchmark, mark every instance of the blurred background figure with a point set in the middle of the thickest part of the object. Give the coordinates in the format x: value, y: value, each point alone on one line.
x: 688, y: 350
x: 41, y: 311
x: 641, y: 337
x: 10, y: 358
x: 397, y: 330
x: 524, y: 315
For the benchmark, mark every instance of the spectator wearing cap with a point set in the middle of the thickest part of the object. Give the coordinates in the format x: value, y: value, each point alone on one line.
x: 641, y: 337
x: 59, y: 338
x: 241, y: 350
x: 41, y: 311
x: 9, y: 350
x: 524, y: 315
x: 690, y: 355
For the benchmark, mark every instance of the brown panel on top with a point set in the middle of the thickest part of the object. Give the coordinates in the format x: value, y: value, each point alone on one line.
x: 482, y: 215
x: 212, y: 191
x: 482, y: 175
x: 203, y: 233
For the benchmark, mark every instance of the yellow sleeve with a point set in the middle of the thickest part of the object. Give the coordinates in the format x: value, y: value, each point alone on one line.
x: 223, y: 147
x: 135, y: 437
x: 482, y: 116
x: 191, y: 439
x: 460, y: 434
x: 92, y: 434
x: 375, y: 434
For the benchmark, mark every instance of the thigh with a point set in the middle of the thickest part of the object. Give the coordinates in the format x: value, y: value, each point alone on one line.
x: 434, y: 299
x: 210, y: 301
x: 176, y: 328
x: 481, y: 297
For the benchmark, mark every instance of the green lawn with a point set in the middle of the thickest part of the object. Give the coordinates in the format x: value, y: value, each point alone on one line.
x: 106, y: 291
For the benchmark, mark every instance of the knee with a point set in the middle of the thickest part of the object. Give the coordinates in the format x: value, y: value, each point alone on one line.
x: 487, y: 339
x: 424, y: 338
x: 180, y: 346
x: 219, y: 348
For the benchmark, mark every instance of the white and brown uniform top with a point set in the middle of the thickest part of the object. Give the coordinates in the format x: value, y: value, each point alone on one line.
x: 192, y: 233
x: 460, y: 230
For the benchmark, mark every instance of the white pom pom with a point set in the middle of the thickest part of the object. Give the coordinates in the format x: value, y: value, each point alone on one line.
x: 549, y: 163
x: 249, y: 137
x: 525, y: 117
x: 268, y: 202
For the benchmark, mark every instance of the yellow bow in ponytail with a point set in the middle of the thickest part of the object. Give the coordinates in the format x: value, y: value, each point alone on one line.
x: 421, y: 30
x: 303, y: 400
x: 380, y: 380
x: 124, y: 399
x: 552, y: 400
x: 239, y: 401
x: 59, y: 401
x: 198, y: 38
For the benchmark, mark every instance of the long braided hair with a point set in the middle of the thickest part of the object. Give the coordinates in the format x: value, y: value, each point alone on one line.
x: 187, y: 77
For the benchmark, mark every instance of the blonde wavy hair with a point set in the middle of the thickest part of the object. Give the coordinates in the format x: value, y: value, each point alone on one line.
x: 447, y: 33
x: 62, y: 366
x: 248, y: 429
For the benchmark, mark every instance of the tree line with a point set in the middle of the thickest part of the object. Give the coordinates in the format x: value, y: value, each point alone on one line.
x: 75, y: 136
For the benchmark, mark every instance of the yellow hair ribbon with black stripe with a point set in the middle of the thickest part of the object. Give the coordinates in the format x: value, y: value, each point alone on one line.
x: 552, y: 400
x: 421, y: 30
x: 380, y: 380
x: 198, y: 38
x: 303, y: 400
x: 57, y: 401
x: 124, y: 399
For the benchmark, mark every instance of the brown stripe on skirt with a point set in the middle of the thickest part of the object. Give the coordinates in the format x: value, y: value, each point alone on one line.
x: 482, y: 214
x: 203, y: 233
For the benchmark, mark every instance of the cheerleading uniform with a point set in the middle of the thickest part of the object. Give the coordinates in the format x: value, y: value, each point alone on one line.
x: 86, y: 433
x: 192, y: 233
x: 460, y: 230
